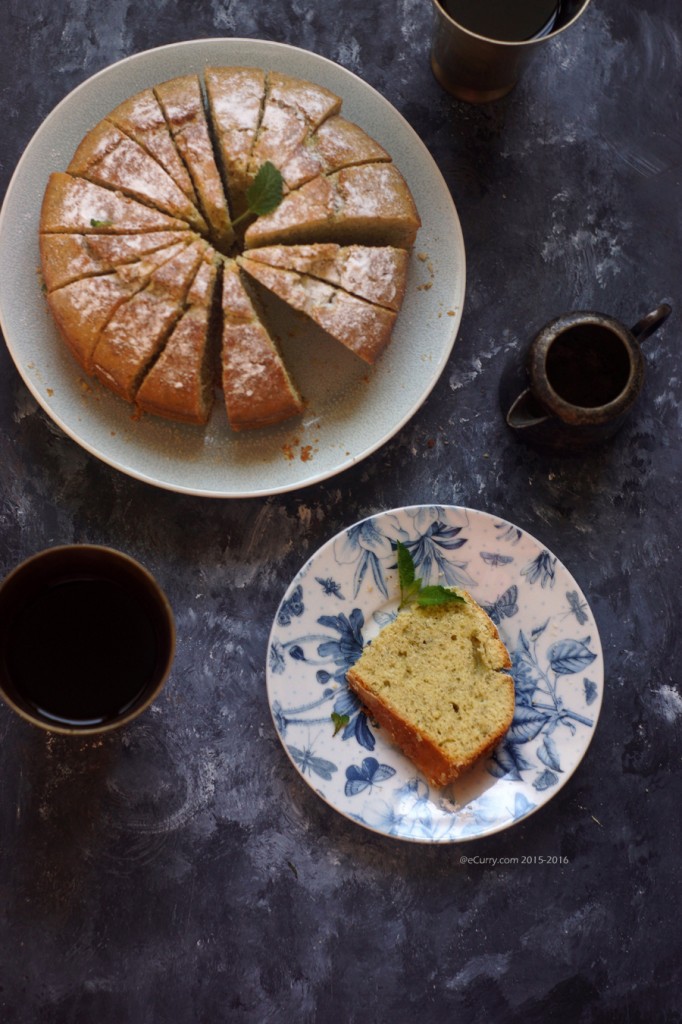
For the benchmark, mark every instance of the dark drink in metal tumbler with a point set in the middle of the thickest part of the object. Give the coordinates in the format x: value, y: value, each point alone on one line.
x: 480, y: 47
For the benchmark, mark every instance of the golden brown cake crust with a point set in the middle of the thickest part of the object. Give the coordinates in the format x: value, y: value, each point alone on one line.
x: 370, y: 204
x: 293, y: 109
x: 161, y: 173
x: 424, y: 749
x: 66, y: 256
x: 182, y: 104
x: 372, y: 272
x: 83, y: 307
x: 74, y: 204
x: 179, y: 385
x: 258, y: 390
x: 142, y: 118
x: 360, y: 326
x: 137, y: 331
x: 337, y: 143
x: 236, y: 96
x: 415, y: 744
x: 108, y: 157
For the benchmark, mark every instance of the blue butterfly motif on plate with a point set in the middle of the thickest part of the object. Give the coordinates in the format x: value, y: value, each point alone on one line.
x: 504, y: 607
x: 292, y: 606
x: 369, y: 774
x: 494, y: 558
x: 330, y: 587
x: 576, y: 606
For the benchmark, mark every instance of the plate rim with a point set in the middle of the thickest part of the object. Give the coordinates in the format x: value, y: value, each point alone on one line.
x: 422, y: 840
x: 345, y: 461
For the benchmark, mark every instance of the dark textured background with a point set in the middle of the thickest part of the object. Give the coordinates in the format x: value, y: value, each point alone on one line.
x: 180, y: 871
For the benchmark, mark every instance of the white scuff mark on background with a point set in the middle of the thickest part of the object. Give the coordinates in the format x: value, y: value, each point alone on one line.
x: 411, y: 19
x: 595, y: 254
x: 667, y: 703
x: 490, y: 965
x: 223, y: 17
x: 348, y: 54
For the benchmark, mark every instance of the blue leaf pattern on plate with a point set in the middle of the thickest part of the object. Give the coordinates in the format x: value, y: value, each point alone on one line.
x: 541, y: 568
x: 557, y: 671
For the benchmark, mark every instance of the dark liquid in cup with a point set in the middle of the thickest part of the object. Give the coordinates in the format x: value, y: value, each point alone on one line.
x: 507, y: 20
x: 82, y: 651
x: 588, y: 366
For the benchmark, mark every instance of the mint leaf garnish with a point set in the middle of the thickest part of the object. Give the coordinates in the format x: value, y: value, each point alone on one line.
x: 265, y: 192
x: 339, y: 721
x: 100, y: 223
x: 411, y: 589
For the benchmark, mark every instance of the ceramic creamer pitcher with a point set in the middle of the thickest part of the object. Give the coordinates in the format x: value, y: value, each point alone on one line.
x: 583, y: 374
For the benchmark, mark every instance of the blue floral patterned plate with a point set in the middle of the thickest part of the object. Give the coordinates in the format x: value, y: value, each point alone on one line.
x: 340, y: 600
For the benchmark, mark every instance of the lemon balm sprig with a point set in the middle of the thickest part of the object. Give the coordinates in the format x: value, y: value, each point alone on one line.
x: 264, y: 194
x: 412, y: 591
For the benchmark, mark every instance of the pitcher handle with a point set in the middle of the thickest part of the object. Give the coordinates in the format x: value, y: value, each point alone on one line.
x: 651, y: 322
x: 525, y: 412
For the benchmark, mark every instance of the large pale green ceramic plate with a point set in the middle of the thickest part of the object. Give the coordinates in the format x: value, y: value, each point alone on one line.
x: 351, y: 409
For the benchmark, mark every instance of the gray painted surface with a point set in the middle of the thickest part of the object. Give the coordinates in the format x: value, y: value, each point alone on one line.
x: 179, y: 870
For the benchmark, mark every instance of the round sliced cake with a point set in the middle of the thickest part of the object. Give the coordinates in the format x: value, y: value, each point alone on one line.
x: 154, y: 249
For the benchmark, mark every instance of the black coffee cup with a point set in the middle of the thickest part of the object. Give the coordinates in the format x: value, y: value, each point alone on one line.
x: 87, y: 638
x: 583, y: 373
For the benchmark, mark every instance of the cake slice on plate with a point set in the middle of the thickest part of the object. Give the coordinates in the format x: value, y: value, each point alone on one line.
x: 435, y: 679
x: 258, y: 389
x: 66, y: 257
x: 375, y: 273
x: 337, y: 143
x: 361, y: 326
x: 180, y: 383
x: 183, y: 107
x: 82, y: 308
x: 366, y: 205
x: 141, y: 117
x: 137, y: 332
x: 74, y: 204
x: 293, y: 110
x: 108, y: 157
x: 235, y: 98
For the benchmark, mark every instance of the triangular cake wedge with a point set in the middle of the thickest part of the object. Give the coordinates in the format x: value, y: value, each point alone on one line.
x: 108, y: 157
x: 361, y: 326
x: 375, y: 273
x: 337, y: 143
x: 66, y: 257
x: 258, y: 389
x: 74, y: 204
x: 82, y: 309
x: 183, y: 107
x: 180, y: 384
x: 367, y: 205
x: 293, y: 110
x: 141, y: 117
x: 436, y: 679
x: 138, y: 330
x: 235, y: 101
